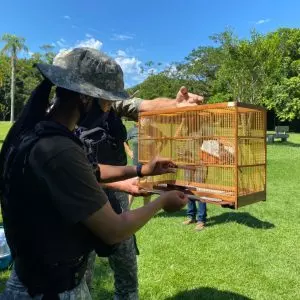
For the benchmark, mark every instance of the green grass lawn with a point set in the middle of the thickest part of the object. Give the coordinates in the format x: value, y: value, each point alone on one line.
x: 252, y: 253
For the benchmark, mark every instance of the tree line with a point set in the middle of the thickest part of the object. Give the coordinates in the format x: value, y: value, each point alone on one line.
x: 262, y: 70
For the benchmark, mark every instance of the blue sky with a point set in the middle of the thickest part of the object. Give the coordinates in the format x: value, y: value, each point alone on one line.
x: 134, y: 31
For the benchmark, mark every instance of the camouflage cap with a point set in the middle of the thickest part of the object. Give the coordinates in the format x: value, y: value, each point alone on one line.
x: 87, y: 71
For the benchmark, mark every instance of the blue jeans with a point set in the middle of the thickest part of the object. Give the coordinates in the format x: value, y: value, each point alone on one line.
x: 193, y: 213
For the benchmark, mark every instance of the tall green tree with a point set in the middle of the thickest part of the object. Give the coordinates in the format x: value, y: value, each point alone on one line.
x: 4, y: 86
x: 48, y: 53
x: 13, y: 45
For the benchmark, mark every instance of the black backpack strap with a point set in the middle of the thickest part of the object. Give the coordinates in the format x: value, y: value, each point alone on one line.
x: 17, y: 155
x: 85, y: 132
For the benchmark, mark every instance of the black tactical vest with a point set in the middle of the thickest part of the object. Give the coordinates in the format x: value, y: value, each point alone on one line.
x: 108, y: 141
x: 26, y: 205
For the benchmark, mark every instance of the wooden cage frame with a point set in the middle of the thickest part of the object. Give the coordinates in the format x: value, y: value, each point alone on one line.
x: 219, y: 195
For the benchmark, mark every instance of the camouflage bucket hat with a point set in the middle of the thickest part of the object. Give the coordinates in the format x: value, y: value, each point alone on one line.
x: 88, y: 72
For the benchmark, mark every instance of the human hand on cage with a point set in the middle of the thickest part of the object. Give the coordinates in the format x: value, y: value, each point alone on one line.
x: 131, y: 186
x: 173, y: 201
x: 158, y: 166
x: 184, y: 98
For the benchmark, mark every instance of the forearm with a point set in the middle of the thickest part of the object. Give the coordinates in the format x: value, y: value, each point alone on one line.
x: 130, y: 108
x: 133, y: 220
x: 157, y: 104
x: 117, y: 185
x: 110, y: 174
x: 114, y: 228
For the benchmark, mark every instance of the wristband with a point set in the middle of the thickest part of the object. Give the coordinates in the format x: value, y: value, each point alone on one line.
x: 139, y: 170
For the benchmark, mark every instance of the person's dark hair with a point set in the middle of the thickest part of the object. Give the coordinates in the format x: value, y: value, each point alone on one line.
x: 64, y: 94
x: 33, y: 112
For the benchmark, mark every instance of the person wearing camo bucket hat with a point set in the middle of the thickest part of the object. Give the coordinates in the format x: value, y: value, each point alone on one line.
x: 86, y: 71
x: 123, y: 262
x: 54, y: 210
x: 109, y: 149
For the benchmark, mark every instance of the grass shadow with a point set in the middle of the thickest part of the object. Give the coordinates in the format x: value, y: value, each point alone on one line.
x: 242, y: 218
x: 163, y: 214
x: 207, y: 293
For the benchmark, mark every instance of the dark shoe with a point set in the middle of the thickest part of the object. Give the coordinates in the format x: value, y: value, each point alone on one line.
x: 189, y: 221
x: 200, y: 226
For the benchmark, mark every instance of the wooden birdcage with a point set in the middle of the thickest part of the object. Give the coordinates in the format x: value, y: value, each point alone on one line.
x: 220, y: 151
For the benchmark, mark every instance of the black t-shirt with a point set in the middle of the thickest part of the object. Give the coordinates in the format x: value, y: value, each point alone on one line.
x: 67, y: 193
x: 64, y: 168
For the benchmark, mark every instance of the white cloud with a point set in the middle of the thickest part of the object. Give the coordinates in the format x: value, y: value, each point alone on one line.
x: 122, y: 37
x: 132, y: 68
x: 129, y: 64
x: 67, y: 17
x: 91, y: 43
x: 121, y: 53
x: 88, y: 35
x: 61, y: 43
x: 135, y: 70
x: 62, y: 50
x: 262, y: 21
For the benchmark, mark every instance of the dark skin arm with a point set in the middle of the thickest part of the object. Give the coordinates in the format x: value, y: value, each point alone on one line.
x: 157, y: 166
x: 114, y: 228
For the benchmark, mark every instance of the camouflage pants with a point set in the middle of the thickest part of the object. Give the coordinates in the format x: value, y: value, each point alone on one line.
x: 123, y: 262
x: 15, y: 290
x: 90, y: 269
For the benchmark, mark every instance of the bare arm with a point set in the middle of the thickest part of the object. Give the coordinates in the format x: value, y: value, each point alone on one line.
x: 130, y: 186
x: 157, y: 104
x: 183, y: 99
x: 110, y: 174
x: 114, y: 228
x: 128, y: 150
x: 157, y: 166
x: 116, y: 185
x: 130, y: 108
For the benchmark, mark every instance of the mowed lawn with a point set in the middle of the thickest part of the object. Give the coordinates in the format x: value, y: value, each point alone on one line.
x: 252, y: 253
